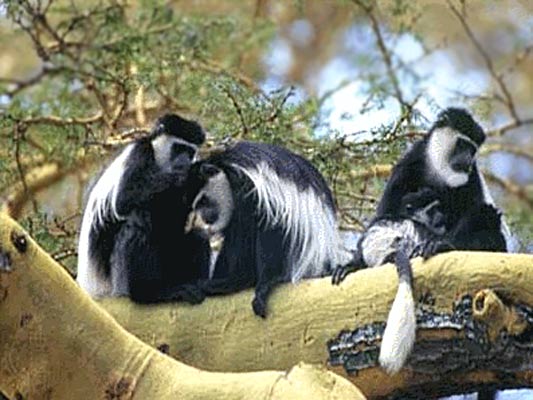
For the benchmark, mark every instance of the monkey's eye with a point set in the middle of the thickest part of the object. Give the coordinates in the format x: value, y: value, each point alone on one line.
x: 179, y: 148
x: 208, y: 170
x: 203, y: 202
x: 19, y: 241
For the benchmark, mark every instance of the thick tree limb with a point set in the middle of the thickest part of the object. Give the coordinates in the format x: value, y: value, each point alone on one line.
x: 475, y: 317
x: 473, y: 310
x: 56, y: 343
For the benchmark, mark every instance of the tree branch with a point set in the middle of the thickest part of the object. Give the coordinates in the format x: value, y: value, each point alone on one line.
x: 56, y: 342
x: 498, y: 78
x: 461, y: 341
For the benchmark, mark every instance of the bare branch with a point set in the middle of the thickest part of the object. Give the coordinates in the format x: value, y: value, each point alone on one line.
x: 510, y: 187
x: 498, y: 78
x: 518, y: 151
x: 385, y: 53
x: 58, y: 121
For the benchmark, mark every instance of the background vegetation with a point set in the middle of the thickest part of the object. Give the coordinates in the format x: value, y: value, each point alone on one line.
x: 347, y: 84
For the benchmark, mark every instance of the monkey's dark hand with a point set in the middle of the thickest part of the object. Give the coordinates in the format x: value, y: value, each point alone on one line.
x: 259, y: 307
x: 341, y: 272
x: 420, y: 198
x: 435, y: 247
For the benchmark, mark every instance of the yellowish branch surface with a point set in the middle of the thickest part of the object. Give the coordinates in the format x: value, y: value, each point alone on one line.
x: 57, y: 343
x: 54, y: 338
x: 223, y: 333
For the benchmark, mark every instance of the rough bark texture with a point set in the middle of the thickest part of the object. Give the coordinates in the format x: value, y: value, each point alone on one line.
x: 56, y: 343
x: 473, y: 310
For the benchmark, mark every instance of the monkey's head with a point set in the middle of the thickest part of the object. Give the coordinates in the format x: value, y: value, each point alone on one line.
x: 423, y: 207
x: 213, y: 206
x: 452, y: 146
x: 175, y: 141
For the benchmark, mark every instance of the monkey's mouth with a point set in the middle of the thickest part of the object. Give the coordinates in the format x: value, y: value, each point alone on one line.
x: 196, y: 222
x: 462, y: 166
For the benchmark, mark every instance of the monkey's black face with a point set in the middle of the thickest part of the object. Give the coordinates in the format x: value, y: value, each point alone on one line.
x: 461, y: 121
x: 452, y: 147
x: 423, y: 207
x: 213, y: 207
x: 463, y: 156
x: 451, y: 156
x: 208, y: 209
x: 181, y: 156
x: 173, y: 154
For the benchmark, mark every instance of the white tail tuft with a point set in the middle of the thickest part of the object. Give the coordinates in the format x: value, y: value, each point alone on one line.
x: 400, y: 332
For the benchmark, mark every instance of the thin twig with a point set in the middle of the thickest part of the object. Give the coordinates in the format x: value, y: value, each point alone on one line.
x: 239, y: 111
x: 385, y: 53
x: 498, y: 78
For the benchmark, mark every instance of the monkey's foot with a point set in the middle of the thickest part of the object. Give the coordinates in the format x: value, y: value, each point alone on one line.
x: 259, y: 307
x: 192, y: 294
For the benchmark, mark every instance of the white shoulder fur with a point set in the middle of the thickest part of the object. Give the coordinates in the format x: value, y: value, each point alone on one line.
x: 307, y: 221
x: 440, y: 145
x: 101, y: 205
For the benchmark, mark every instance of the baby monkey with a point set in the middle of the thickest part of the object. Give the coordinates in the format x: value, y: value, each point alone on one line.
x: 418, y: 231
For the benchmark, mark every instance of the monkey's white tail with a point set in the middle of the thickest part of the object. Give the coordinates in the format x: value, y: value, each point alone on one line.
x: 400, y: 331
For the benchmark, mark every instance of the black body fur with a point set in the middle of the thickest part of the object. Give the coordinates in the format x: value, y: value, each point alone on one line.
x: 142, y: 250
x: 256, y: 250
x: 419, y: 227
x: 471, y: 223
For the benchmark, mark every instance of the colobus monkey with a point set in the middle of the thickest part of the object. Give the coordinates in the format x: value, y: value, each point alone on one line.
x: 276, y: 214
x: 132, y: 240
x: 445, y: 162
x: 413, y: 233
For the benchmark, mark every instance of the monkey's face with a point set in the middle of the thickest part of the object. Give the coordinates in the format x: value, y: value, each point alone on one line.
x: 213, y: 206
x: 452, y: 147
x: 463, y: 155
x: 423, y: 207
x: 172, y: 153
x: 451, y: 156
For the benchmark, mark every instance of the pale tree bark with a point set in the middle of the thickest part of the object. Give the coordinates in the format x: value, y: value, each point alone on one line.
x: 56, y: 343
x: 474, y: 313
x: 475, y: 320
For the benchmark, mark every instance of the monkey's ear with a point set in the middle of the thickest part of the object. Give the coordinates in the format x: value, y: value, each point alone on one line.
x: 208, y: 170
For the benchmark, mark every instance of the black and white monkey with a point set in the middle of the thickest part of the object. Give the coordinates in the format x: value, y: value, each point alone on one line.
x: 445, y: 162
x: 276, y: 215
x: 461, y: 216
x: 414, y: 232
x: 132, y: 240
